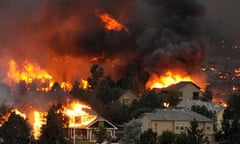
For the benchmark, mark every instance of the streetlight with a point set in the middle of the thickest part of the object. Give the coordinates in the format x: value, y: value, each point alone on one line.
x: 72, y: 114
x: 74, y: 136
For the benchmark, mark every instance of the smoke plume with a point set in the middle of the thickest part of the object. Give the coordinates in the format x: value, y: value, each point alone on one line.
x: 163, y: 34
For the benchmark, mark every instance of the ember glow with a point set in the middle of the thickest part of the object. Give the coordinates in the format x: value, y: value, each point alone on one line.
x: 84, y: 84
x: 23, y: 115
x: 6, y: 116
x: 111, y: 23
x: 166, y: 80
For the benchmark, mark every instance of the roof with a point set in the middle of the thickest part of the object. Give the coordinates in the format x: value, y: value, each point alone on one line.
x: 214, y: 107
x: 176, y: 115
x: 98, y: 119
x: 180, y: 85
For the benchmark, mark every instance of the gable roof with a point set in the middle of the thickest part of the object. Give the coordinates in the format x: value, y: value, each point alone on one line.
x: 128, y: 93
x: 100, y: 119
x: 175, y: 115
x: 179, y: 86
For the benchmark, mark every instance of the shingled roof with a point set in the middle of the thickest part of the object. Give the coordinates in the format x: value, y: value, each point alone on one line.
x: 175, y: 115
x: 212, y: 106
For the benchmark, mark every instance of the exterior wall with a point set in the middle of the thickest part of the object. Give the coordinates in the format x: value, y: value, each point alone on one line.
x: 219, y: 119
x: 177, y: 127
x: 181, y: 126
x: 146, y: 123
x: 209, y: 132
x: 160, y: 126
x: 188, y: 90
x: 128, y: 97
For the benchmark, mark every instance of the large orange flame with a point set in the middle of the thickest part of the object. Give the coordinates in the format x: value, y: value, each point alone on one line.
x: 111, y: 23
x: 84, y: 84
x: 78, y: 115
x: 77, y: 112
x: 29, y: 72
x: 5, y: 117
x: 39, y: 120
x: 166, y: 80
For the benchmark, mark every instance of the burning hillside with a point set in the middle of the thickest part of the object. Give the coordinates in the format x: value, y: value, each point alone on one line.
x: 62, y: 36
x: 43, y: 42
x: 78, y: 113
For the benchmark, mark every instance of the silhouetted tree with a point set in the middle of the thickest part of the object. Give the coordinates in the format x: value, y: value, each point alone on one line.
x: 53, y: 131
x: 150, y: 100
x: 107, y: 92
x: 148, y: 137
x: 56, y: 87
x: 134, y: 78
x: 100, y: 133
x: 167, y: 137
x: 79, y: 93
x: 203, y: 111
x: 231, y: 120
x: 181, y: 138
x: 15, y: 130
x: 195, y: 135
x: 207, y: 94
x: 172, y: 98
x: 131, y: 132
x: 117, y: 112
x: 233, y: 102
x: 4, y: 109
x: 97, y: 74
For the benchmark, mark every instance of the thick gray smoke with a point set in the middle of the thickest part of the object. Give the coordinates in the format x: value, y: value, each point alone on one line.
x: 164, y: 34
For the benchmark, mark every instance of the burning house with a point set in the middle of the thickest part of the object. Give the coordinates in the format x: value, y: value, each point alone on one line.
x: 155, y: 43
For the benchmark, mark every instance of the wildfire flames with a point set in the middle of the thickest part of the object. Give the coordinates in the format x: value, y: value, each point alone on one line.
x: 39, y: 120
x: 84, y: 84
x: 111, y: 23
x: 6, y: 116
x: 77, y: 112
x: 166, y: 80
x: 29, y: 72
x: 78, y: 115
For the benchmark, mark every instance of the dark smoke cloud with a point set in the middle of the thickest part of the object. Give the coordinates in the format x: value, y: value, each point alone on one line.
x: 223, y: 19
x: 157, y: 27
x: 164, y: 34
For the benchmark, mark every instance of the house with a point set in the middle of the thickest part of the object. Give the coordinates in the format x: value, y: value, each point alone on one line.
x: 214, y: 107
x: 86, y: 132
x: 187, y: 90
x: 176, y: 121
x: 127, y: 97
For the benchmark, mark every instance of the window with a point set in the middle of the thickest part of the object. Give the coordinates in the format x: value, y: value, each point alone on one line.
x: 177, y: 127
x: 180, y: 94
x: 195, y: 95
x: 208, y: 128
x: 126, y: 100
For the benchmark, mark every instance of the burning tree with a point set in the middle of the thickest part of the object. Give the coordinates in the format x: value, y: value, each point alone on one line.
x: 53, y: 131
x: 15, y: 130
